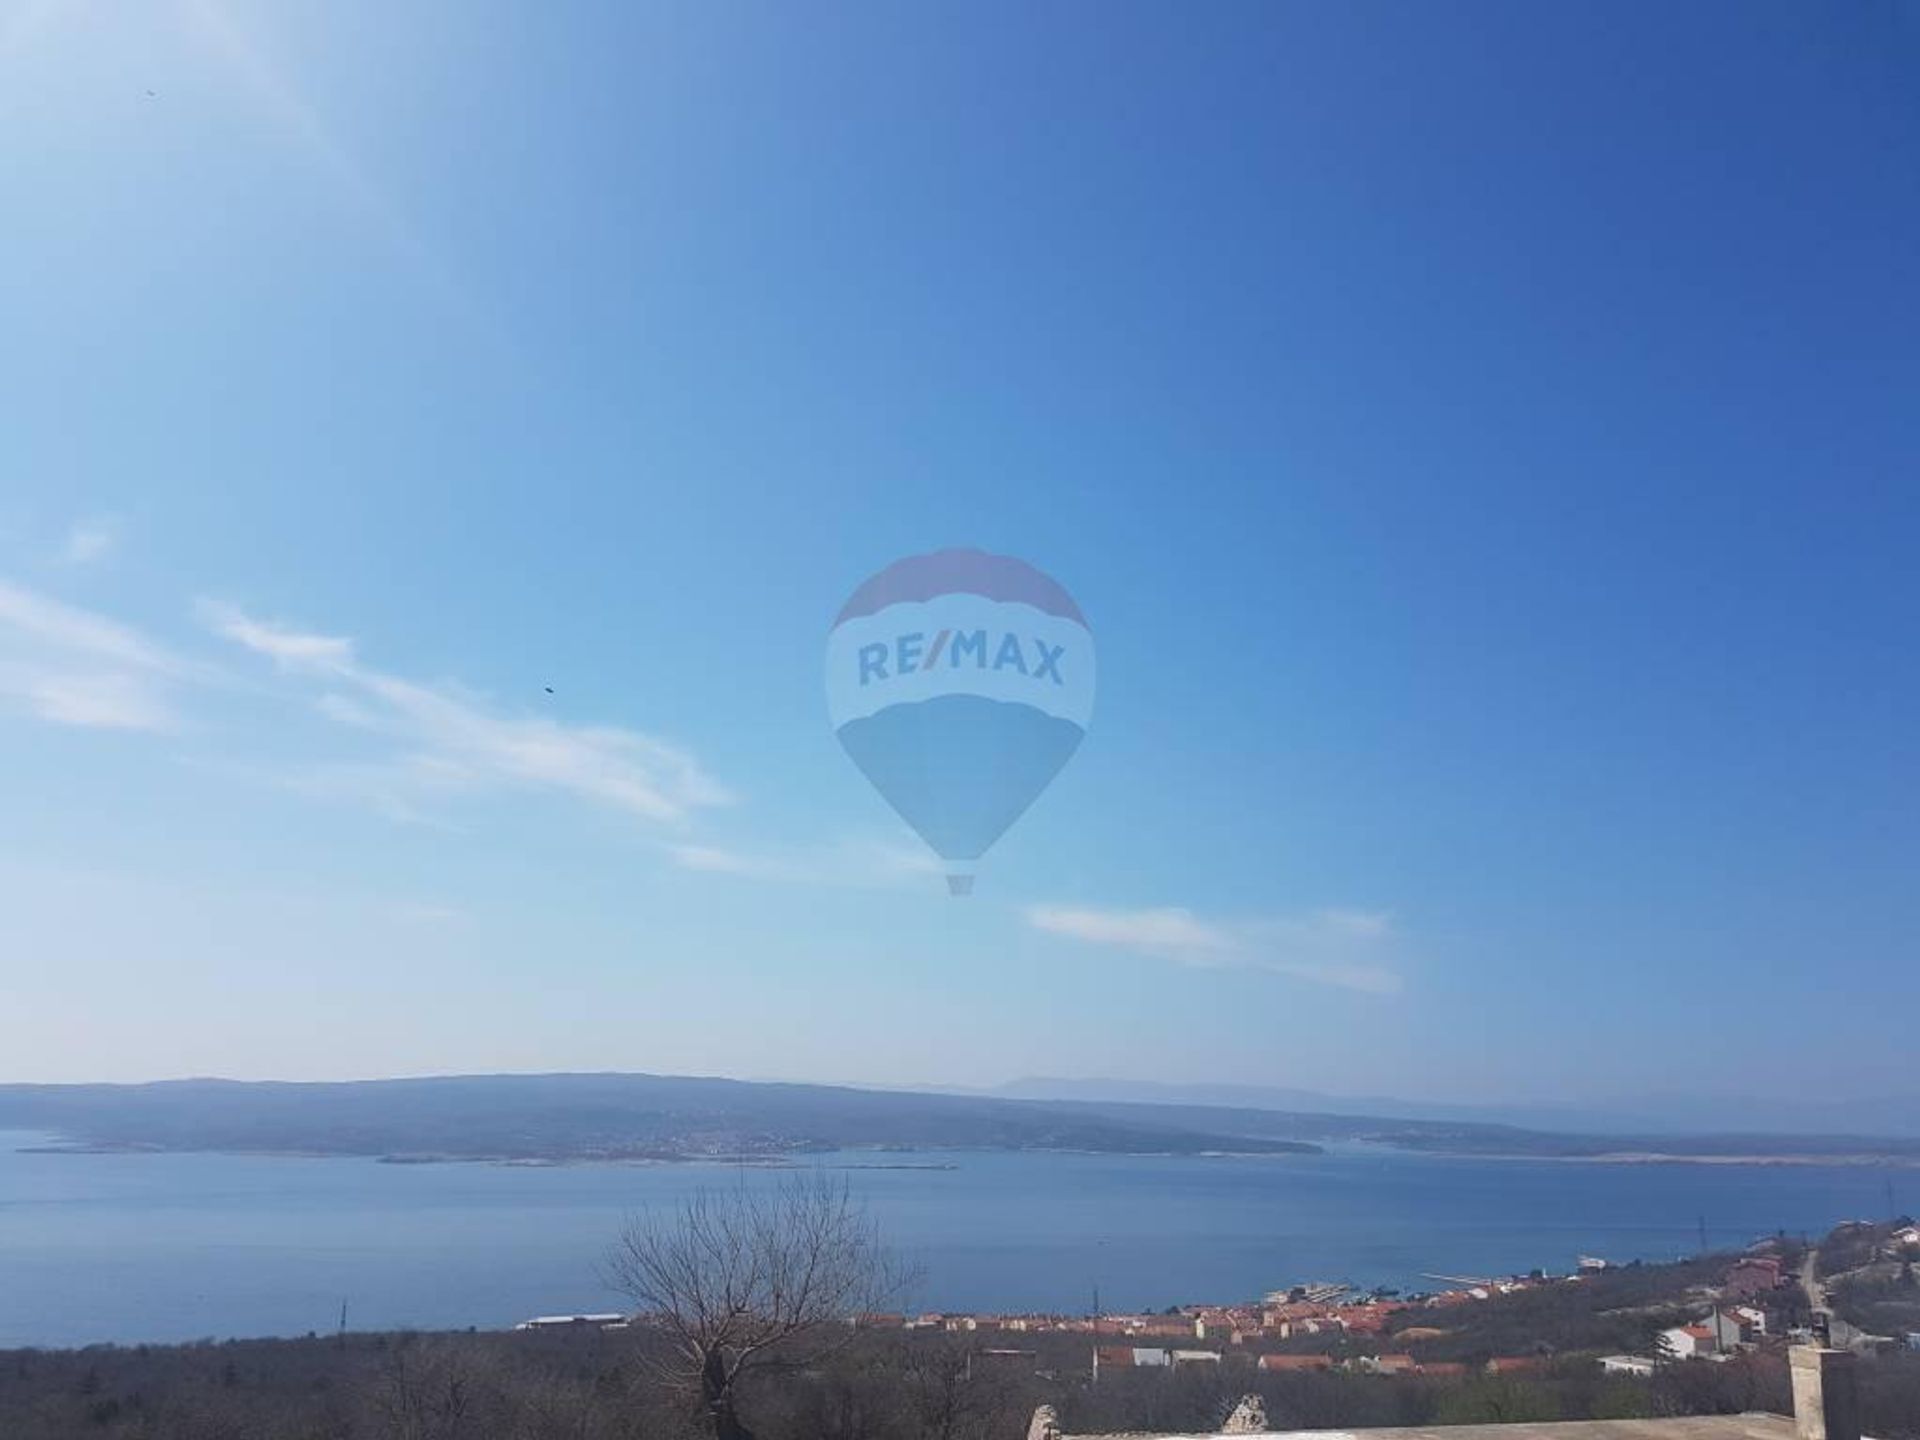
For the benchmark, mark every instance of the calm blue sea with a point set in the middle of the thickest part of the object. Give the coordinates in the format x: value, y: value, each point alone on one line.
x: 169, y: 1247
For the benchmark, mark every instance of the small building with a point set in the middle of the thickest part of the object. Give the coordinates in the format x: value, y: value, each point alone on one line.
x: 1192, y: 1357
x: 567, y: 1322
x: 1384, y: 1364
x: 1128, y: 1357
x: 1626, y: 1365
x: 1730, y: 1332
x: 1754, y: 1321
x: 1171, y: 1327
x: 1752, y: 1275
x: 1516, y: 1364
x: 1688, y: 1342
x: 1296, y: 1362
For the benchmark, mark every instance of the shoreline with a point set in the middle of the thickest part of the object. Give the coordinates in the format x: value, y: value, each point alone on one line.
x: 1867, y: 1159
x: 1860, y: 1160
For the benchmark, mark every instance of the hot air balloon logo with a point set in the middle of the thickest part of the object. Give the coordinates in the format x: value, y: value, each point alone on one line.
x: 960, y: 683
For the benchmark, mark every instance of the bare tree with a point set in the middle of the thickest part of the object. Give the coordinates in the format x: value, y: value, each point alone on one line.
x: 428, y: 1390
x: 743, y: 1279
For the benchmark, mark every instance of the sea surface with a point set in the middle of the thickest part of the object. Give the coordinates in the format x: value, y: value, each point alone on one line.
x: 139, y: 1247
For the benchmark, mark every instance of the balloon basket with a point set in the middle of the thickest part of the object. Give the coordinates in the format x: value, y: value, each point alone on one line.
x: 958, y: 885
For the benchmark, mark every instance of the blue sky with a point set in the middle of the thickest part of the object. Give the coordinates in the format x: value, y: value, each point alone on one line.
x: 1482, y: 438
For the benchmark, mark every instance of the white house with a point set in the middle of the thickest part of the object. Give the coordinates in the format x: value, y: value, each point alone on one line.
x: 1196, y: 1357
x: 1752, y: 1320
x: 1685, y: 1342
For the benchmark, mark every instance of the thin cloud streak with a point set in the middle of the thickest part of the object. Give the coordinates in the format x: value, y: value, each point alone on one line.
x: 456, y: 742
x: 98, y: 702
x: 1173, y: 933
x: 66, y: 627
x: 70, y: 666
x: 1343, y: 948
x: 848, y: 864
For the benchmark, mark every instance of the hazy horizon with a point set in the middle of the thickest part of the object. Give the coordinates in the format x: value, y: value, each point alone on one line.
x: 1887, y: 1114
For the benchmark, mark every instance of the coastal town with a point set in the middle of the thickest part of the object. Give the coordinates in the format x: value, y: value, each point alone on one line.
x: 1655, y: 1346
x: 1323, y: 1327
x: 1710, y: 1309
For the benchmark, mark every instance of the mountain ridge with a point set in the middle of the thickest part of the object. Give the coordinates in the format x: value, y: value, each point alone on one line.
x: 614, y: 1115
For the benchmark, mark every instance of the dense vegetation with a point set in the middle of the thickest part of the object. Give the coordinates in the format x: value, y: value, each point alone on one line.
x: 1616, y: 1311
x: 1871, y: 1283
x: 584, y: 1385
x: 744, y: 1291
x: 589, y: 1385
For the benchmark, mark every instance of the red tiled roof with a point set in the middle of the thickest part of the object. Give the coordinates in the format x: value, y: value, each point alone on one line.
x: 1510, y: 1364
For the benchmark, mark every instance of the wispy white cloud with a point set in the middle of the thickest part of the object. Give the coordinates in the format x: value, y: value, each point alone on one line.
x: 99, y: 701
x: 89, y: 542
x: 291, y: 648
x: 67, y: 627
x: 1352, y: 949
x: 73, y: 667
x: 451, y: 740
x: 1172, y: 933
x: 850, y: 863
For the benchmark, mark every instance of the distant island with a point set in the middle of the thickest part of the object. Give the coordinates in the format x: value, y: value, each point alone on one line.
x: 591, y: 1117
x: 551, y: 1119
